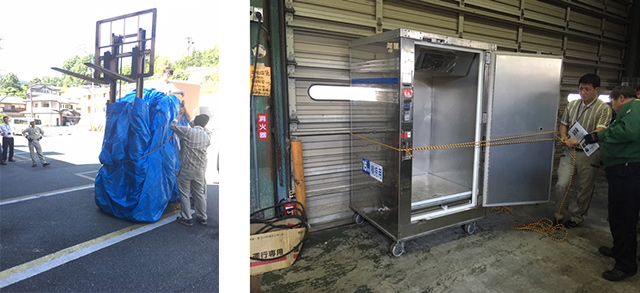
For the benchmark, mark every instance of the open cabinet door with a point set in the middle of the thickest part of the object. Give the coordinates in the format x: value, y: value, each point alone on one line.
x: 524, y: 91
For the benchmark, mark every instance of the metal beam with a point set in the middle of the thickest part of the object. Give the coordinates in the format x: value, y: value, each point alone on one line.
x: 280, y: 100
x: 78, y: 75
x: 110, y: 73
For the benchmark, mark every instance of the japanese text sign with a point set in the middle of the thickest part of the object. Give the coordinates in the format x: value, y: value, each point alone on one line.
x: 262, y: 83
x: 263, y: 128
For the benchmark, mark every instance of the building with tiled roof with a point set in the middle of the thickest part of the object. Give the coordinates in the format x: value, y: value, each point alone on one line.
x: 45, y: 102
x: 12, y: 106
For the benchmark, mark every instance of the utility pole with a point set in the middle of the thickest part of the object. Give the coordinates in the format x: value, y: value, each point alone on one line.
x: 190, y: 46
x: 31, y: 99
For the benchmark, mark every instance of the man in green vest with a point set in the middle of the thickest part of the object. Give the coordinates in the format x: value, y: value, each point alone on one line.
x: 620, y: 152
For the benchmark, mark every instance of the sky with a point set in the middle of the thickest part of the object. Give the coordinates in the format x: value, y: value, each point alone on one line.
x: 39, y: 34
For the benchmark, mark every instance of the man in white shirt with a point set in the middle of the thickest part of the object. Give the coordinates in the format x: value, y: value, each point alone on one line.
x: 7, y: 141
x: 166, y: 86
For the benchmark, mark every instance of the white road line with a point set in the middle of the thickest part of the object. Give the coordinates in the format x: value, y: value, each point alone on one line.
x: 34, y: 196
x: 26, y: 158
x: 87, y: 177
x: 48, y: 262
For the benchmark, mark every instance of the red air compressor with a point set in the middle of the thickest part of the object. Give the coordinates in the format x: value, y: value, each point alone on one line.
x: 289, y: 205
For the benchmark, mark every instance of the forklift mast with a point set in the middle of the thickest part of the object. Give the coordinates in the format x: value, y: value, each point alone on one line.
x: 120, y: 40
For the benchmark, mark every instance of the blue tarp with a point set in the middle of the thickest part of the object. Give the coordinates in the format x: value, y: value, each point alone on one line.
x: 139, y: 157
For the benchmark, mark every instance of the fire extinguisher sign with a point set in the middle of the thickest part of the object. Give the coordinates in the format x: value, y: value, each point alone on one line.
x: 372, y: 169
x: 263, y: 130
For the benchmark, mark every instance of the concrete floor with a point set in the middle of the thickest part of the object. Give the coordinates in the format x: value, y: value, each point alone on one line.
x: 496, y: 258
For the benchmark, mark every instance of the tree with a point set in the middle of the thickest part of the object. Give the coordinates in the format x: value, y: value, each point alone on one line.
x: 76, y: 64
x: 206, y: 58
x: 211, y: 84
x: 10, y: 85
x: 54, y: 81
x: 126, y: 69
x: 159, y: 64
x: 35, y: 80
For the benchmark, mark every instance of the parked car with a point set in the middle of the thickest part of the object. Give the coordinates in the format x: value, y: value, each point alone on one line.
x: 20, y: 124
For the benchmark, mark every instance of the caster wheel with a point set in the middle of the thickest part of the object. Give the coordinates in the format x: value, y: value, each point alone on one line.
x: 397, y: 249
x: 470, y: 228
x: 358, y: 219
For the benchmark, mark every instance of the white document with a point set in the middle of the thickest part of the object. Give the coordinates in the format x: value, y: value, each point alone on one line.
x: 578, y: 132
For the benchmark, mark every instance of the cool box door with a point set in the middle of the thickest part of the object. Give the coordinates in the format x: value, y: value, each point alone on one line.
x: 523, y: 99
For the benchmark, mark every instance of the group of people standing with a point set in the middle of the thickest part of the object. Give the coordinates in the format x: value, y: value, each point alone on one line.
x: 619, y: 152
x: 33, y: 134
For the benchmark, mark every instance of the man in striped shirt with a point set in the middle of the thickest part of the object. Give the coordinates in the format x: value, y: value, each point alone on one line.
x: 594, y: 115
x: 193, y: 165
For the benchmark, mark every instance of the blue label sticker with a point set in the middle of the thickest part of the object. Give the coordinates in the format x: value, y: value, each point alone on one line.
x: 375, y: 171
x: 372, y: 169
x: 365, y: 166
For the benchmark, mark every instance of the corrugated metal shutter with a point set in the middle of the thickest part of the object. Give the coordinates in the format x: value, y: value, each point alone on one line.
x: 590, y: 35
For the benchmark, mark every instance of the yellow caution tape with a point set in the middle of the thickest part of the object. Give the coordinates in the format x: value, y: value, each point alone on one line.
x: 488, y: 142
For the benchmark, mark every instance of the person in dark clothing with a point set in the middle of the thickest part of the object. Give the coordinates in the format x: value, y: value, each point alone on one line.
x: 7, y: 141
x: 620, y: 152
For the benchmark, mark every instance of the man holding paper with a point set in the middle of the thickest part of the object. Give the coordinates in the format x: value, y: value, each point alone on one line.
x: 592, y: 115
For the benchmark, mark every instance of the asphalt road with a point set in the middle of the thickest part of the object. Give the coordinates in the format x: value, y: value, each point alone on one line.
x: 53, y: 237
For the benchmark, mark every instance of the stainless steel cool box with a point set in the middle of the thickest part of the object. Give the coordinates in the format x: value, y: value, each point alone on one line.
x: 424, y: 90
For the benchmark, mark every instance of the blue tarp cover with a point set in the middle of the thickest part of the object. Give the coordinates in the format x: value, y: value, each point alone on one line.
x: 139, y: 157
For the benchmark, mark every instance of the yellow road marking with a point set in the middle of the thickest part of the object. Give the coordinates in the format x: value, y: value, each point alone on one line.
x: 59, y: 254
x: 65, y: 251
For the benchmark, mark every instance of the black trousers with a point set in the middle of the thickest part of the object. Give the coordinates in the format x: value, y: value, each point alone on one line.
x: 7, y: 145
x: 624, y: 205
